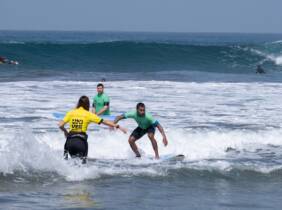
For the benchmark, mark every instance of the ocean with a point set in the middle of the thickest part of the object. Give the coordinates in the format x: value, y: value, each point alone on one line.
x: 202, y: 87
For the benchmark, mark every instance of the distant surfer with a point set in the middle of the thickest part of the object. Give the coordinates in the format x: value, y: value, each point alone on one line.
x: 146, y: 125
x: 7, y: 61
x: 101, y: 102
x: 76, y: 138
x: 2, y: 60
x: 260, y: 70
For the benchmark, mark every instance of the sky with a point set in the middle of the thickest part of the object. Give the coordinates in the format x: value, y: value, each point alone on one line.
x: 242, y: 16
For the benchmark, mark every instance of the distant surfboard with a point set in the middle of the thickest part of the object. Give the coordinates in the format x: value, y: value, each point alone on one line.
x: 60, y: 116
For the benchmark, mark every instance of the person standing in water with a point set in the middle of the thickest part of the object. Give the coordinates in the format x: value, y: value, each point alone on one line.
x: 76, y: 138
x: 260, y: 70
x: 101, y: 102
x: 146, y: 125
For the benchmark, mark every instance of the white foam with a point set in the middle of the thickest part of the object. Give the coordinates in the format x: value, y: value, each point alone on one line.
x: 202, y: 150
x: 277, y: 42
x: 277, y: 59
x: 202, y: 121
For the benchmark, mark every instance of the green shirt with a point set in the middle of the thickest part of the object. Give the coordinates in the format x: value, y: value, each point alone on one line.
x: 101, y: 100
x: 143, y: 122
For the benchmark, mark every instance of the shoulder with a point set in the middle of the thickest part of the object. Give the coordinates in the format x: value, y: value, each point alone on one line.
x: 149, y: 116
x: 71, y: 111
x: 129, y: 114
x: 132, y: 112
x: 85, y: 112
x: 88, y: 114
x: 105, y: 96
x: 94, y: 118
x: 68, y: 115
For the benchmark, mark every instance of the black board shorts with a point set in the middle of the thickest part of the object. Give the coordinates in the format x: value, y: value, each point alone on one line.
x: 76, y: 145
x: 139, y: 132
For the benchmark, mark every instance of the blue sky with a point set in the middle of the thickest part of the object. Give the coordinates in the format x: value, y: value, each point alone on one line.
x: 263, y: 16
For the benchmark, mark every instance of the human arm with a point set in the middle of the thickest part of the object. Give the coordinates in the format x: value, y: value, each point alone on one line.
x: 118, y: 118
x: 63, y: 122
x: 62, y: 127
x: 130, y: 114
x: 106, y: 105
x: 114, y: 125
x: 160, y: 128
x: 105, y: 108
x: 93, y: 110
x: 96, y: 119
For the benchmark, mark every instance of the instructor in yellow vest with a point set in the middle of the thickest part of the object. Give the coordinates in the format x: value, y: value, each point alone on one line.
x: 76, y: 138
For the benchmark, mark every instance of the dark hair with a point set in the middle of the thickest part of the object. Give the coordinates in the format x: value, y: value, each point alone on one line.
x: 140, y: 105
x: 83, y: 102
x: 100, y: 85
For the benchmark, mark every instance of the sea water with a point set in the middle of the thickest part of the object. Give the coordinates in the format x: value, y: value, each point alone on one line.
x: 202, y: 88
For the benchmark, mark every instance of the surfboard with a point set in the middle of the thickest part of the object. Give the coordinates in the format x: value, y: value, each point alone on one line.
x: 60, y: 116
x: 179, y: 157
x: 173, y: 158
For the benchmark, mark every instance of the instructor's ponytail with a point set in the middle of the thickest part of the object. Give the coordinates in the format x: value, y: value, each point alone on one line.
x: 83, y: 102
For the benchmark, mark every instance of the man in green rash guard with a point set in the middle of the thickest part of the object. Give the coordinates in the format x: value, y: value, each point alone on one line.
x: 146, y: 124
x: 101, y: 102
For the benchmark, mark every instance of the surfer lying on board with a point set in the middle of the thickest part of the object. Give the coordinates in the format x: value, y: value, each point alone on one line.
x: 7, y: 61
x: 76, y: 138
x: 146, y: 124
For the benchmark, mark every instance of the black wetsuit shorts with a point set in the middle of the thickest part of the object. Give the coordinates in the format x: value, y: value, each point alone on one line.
x: 76, y: 145
x: 139, y: 132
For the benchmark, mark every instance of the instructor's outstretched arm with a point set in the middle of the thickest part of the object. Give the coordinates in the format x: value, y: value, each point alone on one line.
x: 160, y: 128
x: 114, y: 125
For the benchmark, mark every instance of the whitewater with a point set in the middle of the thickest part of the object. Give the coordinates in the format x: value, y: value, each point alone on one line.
x: 203, y: 121
x: 203, y: 90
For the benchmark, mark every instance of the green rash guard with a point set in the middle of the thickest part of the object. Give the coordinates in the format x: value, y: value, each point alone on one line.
x: 143, y: 122
x: 101, y: 100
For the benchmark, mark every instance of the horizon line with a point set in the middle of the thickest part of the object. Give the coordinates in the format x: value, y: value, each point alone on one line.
x: 137, y: 31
